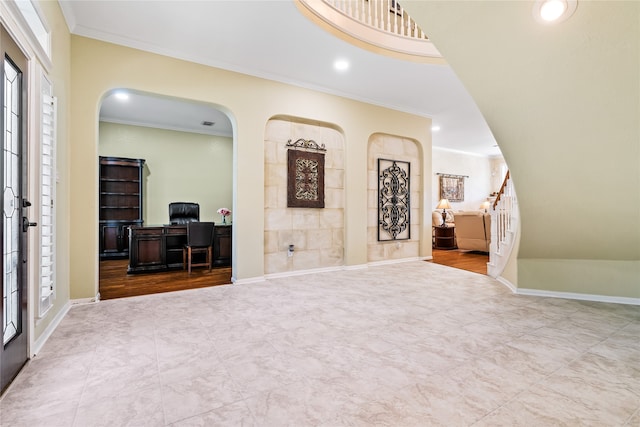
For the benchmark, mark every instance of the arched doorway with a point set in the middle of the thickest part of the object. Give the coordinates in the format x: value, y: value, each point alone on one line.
x: 155, y: 150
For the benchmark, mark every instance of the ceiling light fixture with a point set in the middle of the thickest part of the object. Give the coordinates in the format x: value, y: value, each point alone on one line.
x: 122, y: 96
x: 341, y: 65
x: 553, y: 11
x: 435, y: 128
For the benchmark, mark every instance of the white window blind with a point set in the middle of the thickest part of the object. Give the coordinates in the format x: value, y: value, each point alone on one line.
x: 47, y: 211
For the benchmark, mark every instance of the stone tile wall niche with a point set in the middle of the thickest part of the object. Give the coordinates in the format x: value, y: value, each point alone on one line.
x: 316, y: 233
x: 399, y: 149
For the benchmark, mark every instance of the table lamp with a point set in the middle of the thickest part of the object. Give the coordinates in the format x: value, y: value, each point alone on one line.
x: 444, y: 205
x: 485, y: 206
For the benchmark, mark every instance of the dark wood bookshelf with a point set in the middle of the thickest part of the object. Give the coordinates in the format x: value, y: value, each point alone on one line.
x: 120, y: 203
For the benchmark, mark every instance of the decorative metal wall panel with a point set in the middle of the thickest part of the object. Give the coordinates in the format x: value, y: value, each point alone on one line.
x: 307, y: 144
x: 305, y: 179
x: 394, y: 207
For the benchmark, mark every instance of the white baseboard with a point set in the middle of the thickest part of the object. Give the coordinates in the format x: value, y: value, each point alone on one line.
x: 394, y: 261
x: 257, y: 279
x: 355, y: 267
x: 303, y: 272
x: 513, y: 288
x: 86, y: 300
x: 51, y: 327
x: 326, y: 270
x: 576, y: 296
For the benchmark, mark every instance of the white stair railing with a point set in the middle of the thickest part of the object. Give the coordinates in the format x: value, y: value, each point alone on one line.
x: 504, y: 225
x: 381, y: 23
x: 384, y: 15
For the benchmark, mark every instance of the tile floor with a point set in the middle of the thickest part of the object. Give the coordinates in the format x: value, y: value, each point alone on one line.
x: 412, y: 344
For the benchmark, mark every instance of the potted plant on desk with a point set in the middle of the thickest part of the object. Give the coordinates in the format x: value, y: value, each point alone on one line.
x: 225, y: 213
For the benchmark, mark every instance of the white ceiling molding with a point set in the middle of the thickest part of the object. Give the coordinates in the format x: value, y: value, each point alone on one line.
x: 278, y: 43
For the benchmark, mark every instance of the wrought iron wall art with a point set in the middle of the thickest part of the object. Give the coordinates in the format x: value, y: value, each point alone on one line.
x: 307, y: 144
x: 394, y: 207
x: 452, y: 187
x: 305, y: 174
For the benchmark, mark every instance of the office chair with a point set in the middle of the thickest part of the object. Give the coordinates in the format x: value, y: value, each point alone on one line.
x: 183, y: 212
x: 199, y: 240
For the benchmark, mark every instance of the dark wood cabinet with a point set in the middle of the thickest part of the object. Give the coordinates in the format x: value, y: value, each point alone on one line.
x: 146, y: 248
x: 120, y: 203
x: 222, y: 245
x: 156, y: 248
x: 175, y: 237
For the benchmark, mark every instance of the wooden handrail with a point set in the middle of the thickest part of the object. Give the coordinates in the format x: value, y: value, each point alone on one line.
x: 501, y: 192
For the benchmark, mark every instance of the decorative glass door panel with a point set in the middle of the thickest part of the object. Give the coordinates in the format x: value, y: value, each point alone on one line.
x: 11, y: 325
x: 13, y: 227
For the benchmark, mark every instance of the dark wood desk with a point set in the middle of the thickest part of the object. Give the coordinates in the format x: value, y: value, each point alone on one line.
x: 159, y: 248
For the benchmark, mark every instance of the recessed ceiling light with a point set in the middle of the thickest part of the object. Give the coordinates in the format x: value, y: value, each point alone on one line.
x: 553, y: 11
x: 435, y: 128
x: 122, y: 96
x: 341, y: 65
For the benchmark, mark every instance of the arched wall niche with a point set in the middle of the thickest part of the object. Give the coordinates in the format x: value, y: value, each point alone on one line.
x: 393, y: 147
x: 316, y: 233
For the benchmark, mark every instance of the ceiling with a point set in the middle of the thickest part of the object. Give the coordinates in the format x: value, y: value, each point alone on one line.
x: 272, y: 39
x: 143, y: 109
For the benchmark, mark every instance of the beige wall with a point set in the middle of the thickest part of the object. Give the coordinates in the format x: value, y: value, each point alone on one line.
x: 179, y: 167
x: 317, y: 234
x: 564, y: 108
x: 477, y: 186
x: 393, y: 147
x: 60, y: 77
x: 250, y: 102
x: 499, y: 170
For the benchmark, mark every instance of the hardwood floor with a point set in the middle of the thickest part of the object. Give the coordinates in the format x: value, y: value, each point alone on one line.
x: 116, y: 283
x: 470, y: 261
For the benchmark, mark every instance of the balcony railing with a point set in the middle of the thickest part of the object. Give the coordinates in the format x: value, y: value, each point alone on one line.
x: 383, y: 24
x: 385, y: 15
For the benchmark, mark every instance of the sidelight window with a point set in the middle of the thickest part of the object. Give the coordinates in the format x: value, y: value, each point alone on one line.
x: 47, y: 194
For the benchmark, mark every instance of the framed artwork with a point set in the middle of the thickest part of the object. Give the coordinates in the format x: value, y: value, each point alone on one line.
x: 394, y: 202
x: 305, y: 179
x: 452, y: 187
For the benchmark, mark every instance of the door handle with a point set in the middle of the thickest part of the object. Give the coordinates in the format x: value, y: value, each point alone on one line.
x: 26, y: 224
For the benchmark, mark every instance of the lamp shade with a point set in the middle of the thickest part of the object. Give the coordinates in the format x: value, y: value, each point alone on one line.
x: 485, y: 206
x: 443, y: 204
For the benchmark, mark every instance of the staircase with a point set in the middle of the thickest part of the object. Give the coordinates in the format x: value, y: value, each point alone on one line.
x: 504, y: 227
